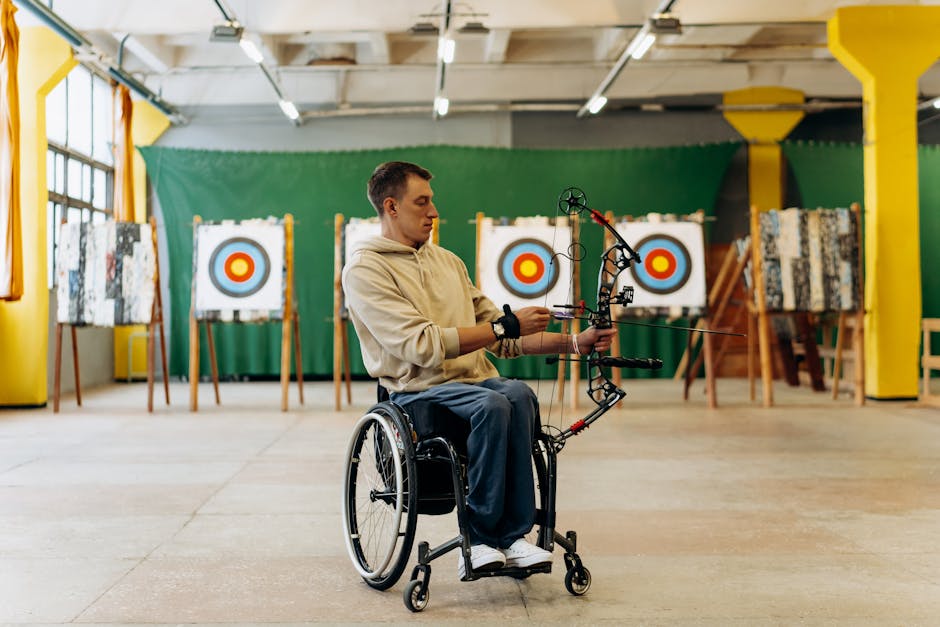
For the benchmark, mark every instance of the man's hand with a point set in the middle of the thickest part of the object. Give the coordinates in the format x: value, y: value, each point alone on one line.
x: 595, y: 339
x: 533, y: 319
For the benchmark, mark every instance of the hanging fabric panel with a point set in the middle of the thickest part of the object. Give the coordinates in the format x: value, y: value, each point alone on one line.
x: 11, y: 237
x: 123, y: 156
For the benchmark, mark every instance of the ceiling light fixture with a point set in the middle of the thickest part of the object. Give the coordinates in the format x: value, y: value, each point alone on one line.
x: 638, y: 45
x: 936, y: 103
x: 596, y: 104
x: 251, y: 50
x: 446, y: 48
x: 289, y: 109
x: 441, y: 106
x: 645, y: 44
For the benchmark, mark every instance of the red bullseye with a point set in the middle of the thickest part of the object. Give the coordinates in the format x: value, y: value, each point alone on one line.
x: 528, y: 268
x: 239, y: 267
x: 660, y: 263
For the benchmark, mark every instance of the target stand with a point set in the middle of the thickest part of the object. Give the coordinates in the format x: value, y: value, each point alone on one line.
x: 86, y: 266
x: 243, y: 272
x: 670, y: 282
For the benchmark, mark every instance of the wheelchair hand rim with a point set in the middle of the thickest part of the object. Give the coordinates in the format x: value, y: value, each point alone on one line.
x: 376, y: 572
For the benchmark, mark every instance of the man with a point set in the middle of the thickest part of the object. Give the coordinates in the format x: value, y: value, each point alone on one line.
x: 422, y: 324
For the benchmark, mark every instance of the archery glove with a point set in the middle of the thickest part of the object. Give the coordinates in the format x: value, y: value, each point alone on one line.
x: 506, y: 326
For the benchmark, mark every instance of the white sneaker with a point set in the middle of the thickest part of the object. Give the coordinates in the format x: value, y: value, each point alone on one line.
x: 522, y: 554
x: 482, y: 557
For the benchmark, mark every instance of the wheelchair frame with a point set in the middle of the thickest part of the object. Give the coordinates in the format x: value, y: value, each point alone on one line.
x: 397, y: 448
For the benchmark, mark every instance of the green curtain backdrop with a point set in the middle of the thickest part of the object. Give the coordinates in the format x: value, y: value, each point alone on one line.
x: 831, y: 175
x: 314, y: 186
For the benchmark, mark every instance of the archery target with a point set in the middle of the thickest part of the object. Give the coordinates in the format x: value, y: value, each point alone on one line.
x: 672, y: 271
x: 355, y: 231
x: 525, y: 268
x: 520, y: 266
x: 239, y: 267
x: 666, y: 264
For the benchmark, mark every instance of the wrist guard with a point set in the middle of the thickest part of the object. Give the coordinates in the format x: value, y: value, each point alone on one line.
x: 506, y: 326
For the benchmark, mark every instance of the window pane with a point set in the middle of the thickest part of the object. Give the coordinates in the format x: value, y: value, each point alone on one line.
x: 73, y: 186
x: 103, y: 128
x: 101, y: 189
x: 98, y: 217
x: 50, y: 170
x: 56, y: 114
x: 79, y: 87
x: 75, y: 215
x: 60, y: 174
x: 86, y: 183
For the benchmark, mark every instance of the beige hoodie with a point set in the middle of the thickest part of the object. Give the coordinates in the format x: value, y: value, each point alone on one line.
x: 406, y: 306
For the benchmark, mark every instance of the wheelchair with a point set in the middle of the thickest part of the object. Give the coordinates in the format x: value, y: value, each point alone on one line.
x: 400, y: 465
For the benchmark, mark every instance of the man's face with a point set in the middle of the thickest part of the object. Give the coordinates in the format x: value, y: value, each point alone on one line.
x: 413, y: 217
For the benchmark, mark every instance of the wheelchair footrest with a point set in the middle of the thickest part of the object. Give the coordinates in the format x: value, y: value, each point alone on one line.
x: 515, y: 572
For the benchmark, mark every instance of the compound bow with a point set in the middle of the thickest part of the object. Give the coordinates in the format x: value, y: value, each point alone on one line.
x: 615, y: 260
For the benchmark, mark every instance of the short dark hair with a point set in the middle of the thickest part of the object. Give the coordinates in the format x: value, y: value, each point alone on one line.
x: 390, y: 179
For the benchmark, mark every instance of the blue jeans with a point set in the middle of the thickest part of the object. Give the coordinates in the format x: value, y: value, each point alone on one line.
x: 503, y: 415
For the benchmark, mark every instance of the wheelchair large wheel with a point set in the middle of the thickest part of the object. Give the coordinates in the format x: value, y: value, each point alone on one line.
x: 380, y: 498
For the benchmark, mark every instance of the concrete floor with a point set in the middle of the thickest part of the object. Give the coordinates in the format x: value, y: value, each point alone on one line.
x: 813, y: 513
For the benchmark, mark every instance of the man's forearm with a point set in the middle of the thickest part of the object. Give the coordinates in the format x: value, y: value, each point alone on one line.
x: 546, y: 343
x: 475, y: 338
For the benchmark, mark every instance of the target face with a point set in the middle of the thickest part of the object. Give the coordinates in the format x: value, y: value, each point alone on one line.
x: 666, y: 265
x: 671, y: 276
x: 239, y: 267
x: 526, y: 269
x: 238, y: 270
x: 524, y: 263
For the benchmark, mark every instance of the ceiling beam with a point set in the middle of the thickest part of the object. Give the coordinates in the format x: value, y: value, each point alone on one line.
x: 497, y: 43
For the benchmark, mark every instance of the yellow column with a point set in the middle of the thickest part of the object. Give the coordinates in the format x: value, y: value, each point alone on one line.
x: 147, y: 124
x: 763, y: 129
x: 887, y: 48
x: 45, y: 59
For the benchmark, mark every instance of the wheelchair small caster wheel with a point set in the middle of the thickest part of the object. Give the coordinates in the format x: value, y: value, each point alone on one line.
x: 578, y: 580
x: 417, y: 595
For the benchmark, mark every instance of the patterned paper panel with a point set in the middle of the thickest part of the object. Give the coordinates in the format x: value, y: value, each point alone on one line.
x: 239, y: 271
x: 356, y: 230
x: 526, y: 263
x: 670, y: 280
x: 105, y: 274
x: 810, y: 259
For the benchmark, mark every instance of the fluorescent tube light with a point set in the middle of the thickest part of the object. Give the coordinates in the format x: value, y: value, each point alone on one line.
x: 251, y: 50
x: 936, y: 103
x: 288, y: 108
x: 597, y: 103
x: 643, y: 46
x: 441, y: 105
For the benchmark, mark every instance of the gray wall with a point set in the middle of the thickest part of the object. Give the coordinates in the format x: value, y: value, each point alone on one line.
x: 95, y: 356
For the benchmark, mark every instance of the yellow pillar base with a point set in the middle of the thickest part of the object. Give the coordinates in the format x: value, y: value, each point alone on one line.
x: 887, y: 48
x: 45, y: 59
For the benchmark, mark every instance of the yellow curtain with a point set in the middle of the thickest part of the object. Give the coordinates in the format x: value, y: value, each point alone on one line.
x: 123, y: 156
x: 11, y: 237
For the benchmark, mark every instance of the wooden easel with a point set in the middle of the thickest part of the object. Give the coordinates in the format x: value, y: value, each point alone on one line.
x: 290, y: 319
x: 568, y: 326
x: 703, y: 323
x: 760, y: 317
x: 341, y: 367
x: 156, y: 320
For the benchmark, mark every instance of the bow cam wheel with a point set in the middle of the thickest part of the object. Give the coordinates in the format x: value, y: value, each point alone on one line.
x: 572, y: 201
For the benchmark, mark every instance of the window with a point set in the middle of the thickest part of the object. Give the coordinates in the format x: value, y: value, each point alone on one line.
x: 79, y: 162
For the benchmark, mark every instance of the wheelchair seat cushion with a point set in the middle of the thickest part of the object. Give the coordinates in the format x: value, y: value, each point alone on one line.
x: 431, y: 419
